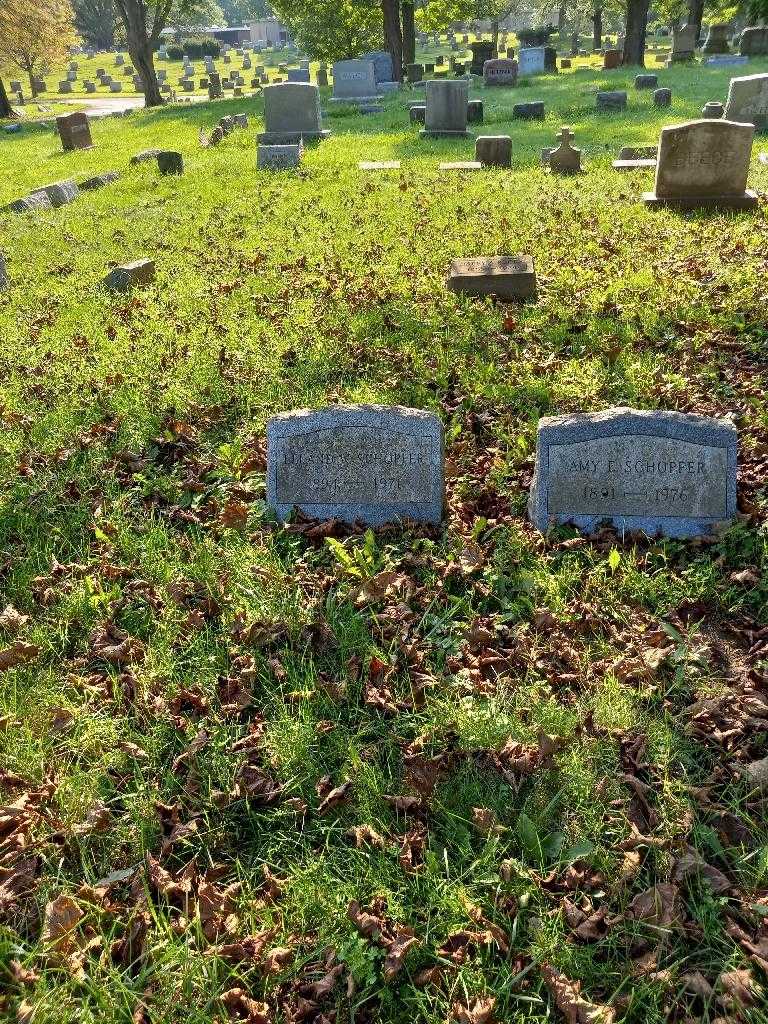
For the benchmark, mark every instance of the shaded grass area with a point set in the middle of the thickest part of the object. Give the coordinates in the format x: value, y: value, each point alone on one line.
x: 226, y: 741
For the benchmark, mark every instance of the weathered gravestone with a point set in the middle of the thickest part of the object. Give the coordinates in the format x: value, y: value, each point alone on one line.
x: 60, y: 193
x: 646, y: 81
x: 298, y: 74
x: 354, y: 81
x: 278, y: 158
x: 446, y: 113
x: 717, y: 39
x: 99, y: 181
x: 748, y: 100
x: 754, y: 41
x: 704, y: 164
x: 292, y: 114
x: 482, y: 50
x: 531, y: 111
x: 130, y: 275
x: 565, y: 159
x: 170, y: 162
x: 74, y: 131
x: 417, y: 113
x: 367, y: 463
x: 611, y: 59
x: 614, y: 100
x: 660, y: 472
x: 505, y: 277
x: 38, y: 201
x: 382, y: 65
x: 493, y: 150
x: 5, y: 281
x: 474, y: 112
x: 662, y: 97
x: 500, y: 72
x: 683, y: 44
x: 143, y: 156
x: 414, y: 73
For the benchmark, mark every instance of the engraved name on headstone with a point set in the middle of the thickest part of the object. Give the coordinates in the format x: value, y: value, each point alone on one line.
x: 660, y: 472
x: 704, y: 164
x: 368, y: 463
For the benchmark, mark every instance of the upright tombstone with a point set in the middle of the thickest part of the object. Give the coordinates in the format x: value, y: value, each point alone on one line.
x: 748, y: 100
x: 660, y: 472
x: 298, y: 74
x: 662, y: 97
x: 532, y: 60
x: 74, y: 131
x: 683, y: 44
x: 354, y: 81
x: 704, y: 164
x: 754, y: 41
x: 500, y: 71
x: 292, y: 114
x: 493, y: 150
x: 362, y: 463
x: 446, y: 113
x: 382, y: 65
x: 613, y: 100
x: 565, y: 159
x: 717, y: 39
x: 482, y: 50
x: 646, y: 81
x: 611, y: 59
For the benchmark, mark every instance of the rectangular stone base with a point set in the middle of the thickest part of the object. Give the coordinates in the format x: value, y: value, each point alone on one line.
x: 431, y: 133
x: 633, y: 165
x: 747, y: 201
x: 291, y: 138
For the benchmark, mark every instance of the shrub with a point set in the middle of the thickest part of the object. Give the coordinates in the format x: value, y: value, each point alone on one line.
x: 535, y: 36
x: 194, y: 48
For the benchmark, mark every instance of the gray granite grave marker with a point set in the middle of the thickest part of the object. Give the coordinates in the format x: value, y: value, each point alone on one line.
x: 704, y: 164
x: 506, y: 277
x: 130, y: 275
x: 292, y: 113
x: 660, y: 472
x: 368, y: 463
x: 748, y: 100
x: 446, y: 113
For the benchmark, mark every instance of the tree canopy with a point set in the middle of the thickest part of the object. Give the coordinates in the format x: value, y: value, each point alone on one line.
x: 332, y: 29
x: 33, y: 34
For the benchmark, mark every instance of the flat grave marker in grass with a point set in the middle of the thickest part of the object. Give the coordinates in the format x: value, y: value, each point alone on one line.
x: 660, y: 472
x: 5, y: 281
x: 128, y: 276
x: 505, y: 277
x: 362, y: 463
x: 704, y: 164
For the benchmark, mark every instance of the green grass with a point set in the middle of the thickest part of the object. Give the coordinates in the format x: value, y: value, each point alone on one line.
x: 131, y: 423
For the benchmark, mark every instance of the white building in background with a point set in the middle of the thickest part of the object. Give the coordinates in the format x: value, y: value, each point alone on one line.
x: 268, y: 31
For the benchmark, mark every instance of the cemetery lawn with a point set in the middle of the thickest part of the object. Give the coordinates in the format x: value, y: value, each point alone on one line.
x: 279, y: 773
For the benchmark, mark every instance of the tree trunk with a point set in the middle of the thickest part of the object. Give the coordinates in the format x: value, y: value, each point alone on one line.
x: 634, y: 36
x: 561, y: 13
x: 696, y: 14
x: 140, y: 40
x: 409, y: 32
x: 597, y: 28
x: 393, y: 37
x: 6, y: 110
x: 143, y: 60
x: 32, y: 89
x: 495, y: 35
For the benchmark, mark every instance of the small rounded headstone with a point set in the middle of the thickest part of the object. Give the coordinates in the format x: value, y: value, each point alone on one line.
x: 169, y: 162
x: 662, y: 97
